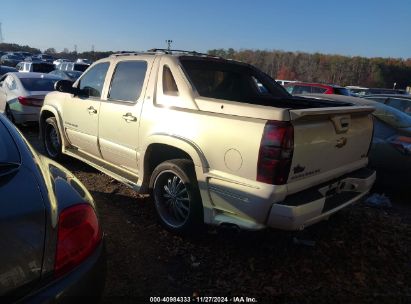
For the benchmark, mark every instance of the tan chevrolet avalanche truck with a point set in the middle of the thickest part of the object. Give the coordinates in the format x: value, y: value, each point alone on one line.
x: 212, y: 140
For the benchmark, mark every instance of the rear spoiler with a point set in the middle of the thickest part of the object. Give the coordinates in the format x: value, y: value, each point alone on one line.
x: 298, y: 114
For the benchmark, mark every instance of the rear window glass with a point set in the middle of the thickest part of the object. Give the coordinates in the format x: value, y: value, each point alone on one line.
x: 42, y: 67
x: 38, y: 84
x: 392, y: 116
x: 8, y: 149
x: 231, y: 81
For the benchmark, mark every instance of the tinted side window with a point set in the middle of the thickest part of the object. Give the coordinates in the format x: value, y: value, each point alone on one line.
x: 128, y: 80
x: 318, y: 90
x: 80, y: 67
x: 169, y: 83
x: 300, y: 89
x: 342, y: 91
x: 92, y: 82
x: 42, y: 67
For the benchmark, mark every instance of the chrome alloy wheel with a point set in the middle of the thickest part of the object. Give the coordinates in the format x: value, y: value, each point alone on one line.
x: 172, y: 199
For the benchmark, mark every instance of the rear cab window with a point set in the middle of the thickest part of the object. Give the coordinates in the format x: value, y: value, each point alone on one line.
x: 220, y: 79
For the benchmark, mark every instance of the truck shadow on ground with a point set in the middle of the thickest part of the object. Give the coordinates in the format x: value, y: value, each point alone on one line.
x: 345, y: 255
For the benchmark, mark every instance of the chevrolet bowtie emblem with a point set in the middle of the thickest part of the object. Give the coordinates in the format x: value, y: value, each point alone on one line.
x: 341, y: 142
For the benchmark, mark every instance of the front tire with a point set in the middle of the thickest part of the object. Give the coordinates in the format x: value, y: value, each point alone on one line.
x: 51, y: 139
x: 177, y: 197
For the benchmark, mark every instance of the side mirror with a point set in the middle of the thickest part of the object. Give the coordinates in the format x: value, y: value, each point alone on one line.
x: 65, y: 86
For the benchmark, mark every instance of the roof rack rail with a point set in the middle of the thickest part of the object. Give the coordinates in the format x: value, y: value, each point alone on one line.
x: 167, y: 51
x: 124, y: 54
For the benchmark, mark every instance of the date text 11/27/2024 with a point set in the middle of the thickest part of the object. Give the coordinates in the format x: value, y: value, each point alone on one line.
x: 198, y: 299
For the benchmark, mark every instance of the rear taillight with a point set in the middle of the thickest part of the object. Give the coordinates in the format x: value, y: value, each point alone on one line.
x: 79, y: 234
x: 32, y: 102
x: 276, y: 153
x: 401, y: 143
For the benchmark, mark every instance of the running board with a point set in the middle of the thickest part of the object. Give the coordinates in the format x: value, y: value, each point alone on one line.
x: 117, y: 173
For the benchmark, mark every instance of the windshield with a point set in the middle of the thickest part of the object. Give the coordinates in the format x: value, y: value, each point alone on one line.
x: 232, y: 81
x: 38, y: 84
x: 391, y: 116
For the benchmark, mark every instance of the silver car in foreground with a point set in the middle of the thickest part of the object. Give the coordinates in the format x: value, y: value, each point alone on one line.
x: 22, y: 95
x: 51, y: 242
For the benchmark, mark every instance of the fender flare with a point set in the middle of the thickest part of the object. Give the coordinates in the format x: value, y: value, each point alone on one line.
x: 59, y: 120
x: 179, y: 142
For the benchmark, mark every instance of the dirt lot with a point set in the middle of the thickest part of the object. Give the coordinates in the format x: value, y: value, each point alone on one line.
x: 361, y: 254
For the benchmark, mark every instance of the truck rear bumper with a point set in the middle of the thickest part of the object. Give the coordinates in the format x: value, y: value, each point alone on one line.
x: 310, y: 206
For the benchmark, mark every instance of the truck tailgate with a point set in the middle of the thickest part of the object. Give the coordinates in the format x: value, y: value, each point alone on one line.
x: 327, y: 143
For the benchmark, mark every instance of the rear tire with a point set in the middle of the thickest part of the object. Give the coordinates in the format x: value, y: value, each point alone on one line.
x: 51, y: 139
x: 176, y: 196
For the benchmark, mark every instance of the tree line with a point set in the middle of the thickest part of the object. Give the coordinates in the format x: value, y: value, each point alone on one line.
x: 66, y: 54
x: 336, y: 69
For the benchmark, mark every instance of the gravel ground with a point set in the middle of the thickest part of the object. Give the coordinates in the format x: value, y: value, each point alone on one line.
x: 361, y: 254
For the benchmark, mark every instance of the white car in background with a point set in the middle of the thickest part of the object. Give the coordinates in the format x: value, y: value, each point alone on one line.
x: 283, y: 82
x: 83, y: 60
x: 57, y: 62
x: 22, y: 95
x: 73, y: 66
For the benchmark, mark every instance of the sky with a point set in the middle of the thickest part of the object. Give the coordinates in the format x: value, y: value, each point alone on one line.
x: 370, y: 28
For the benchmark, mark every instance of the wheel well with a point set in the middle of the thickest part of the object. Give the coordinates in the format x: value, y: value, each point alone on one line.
x: 155, y: 155
x: 44, y: 115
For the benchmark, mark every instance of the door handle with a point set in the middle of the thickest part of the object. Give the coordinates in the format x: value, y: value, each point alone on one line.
x: 129, y: 117
x: 91, y: 110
